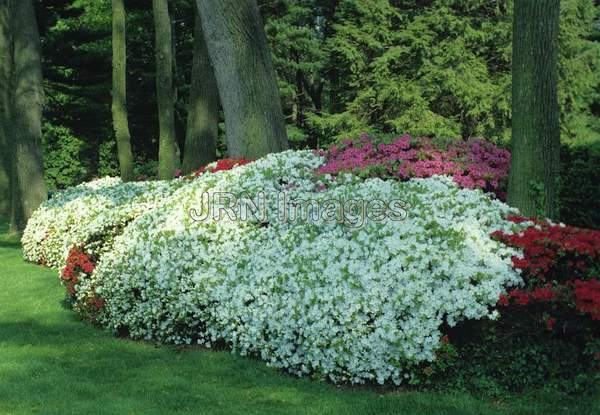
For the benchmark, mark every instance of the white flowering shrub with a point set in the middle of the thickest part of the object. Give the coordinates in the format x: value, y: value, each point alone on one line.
x: 90, y: 214
x: 357, y: 301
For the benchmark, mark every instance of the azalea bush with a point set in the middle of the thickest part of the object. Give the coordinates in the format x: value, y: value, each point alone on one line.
x: 222, y: 164
x: 561, y: 267
x: 472, y: 164
x: 325, y: 298
x: 548, y: 333
x: 331, y: 266
x: 90, y: 214
x: 79, y: 266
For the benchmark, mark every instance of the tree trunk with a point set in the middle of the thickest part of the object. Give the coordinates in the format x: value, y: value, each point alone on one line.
x: 5, y: 75
x: 119, y: 91
x: 535, y: 114
x: 237, y: 45
x: 203, y: 111
x: 27, y: 178
x: 168, y: 153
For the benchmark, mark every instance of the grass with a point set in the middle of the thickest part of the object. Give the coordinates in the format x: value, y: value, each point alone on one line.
x: 51, y: 363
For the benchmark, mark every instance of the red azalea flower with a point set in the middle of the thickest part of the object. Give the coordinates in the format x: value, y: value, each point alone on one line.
x: 67, y: 273
x: 88, y: 267
x: 503, y: 301
x: 521, y: 297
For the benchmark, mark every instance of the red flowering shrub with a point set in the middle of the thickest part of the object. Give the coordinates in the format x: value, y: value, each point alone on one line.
x: 80, y: 265
x: 548, y: 332
x: 560, y: 266
x: 223, y: 164
x: 472, y: 164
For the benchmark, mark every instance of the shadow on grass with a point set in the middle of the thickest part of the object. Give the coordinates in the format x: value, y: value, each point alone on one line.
x: 63, y: 368
x: 10, y: 244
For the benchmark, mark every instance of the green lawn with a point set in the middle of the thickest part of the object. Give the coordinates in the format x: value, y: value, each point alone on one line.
x: 51, y: 363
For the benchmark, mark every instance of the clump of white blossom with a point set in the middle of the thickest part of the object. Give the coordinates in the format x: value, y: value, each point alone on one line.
x: 90, y: 214
x: 351, y: 303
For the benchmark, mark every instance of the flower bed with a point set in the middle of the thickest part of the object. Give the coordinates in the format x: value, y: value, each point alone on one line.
x: 561, y: 270
x: 91, y: 214
x: 324, y: 298
x: 355, y: 299
x: 472, y: 164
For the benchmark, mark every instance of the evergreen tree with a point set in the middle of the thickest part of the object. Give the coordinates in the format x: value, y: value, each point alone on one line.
x: 203, y: 108
x: 25, y: 126
x: 119, y: 91
x: 168, y: 152
x: 535, y: 114
x: 238, y: 49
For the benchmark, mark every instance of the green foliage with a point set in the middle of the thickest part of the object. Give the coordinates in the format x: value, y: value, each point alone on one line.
x: 495, y: 358
x: 108, y: 164
x: 580, y: 189
x: 424, y: 67
x: 62, y: 157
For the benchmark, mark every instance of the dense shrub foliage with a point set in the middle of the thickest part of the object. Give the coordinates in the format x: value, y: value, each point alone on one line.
x: 580, y: 189
x: 560, y: 268
x: 548, y: 333
x: 89, y: 215
x: 352, y: 292
x: 472, y: 164
x: 352, y: 303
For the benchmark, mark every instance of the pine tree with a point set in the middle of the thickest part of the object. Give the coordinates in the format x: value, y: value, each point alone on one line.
x: 203, y: 109
x: 168, y: 152
x: 26, y: 100
x: 241, y: 59
x: 535, y: 141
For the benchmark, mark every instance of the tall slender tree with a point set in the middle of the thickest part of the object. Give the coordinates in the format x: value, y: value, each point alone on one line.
x: 27, y: 173
x: 5, y: 75
x: 535, y: 114
x: 203, y: 109
x: 168, y: 152
x: 243, y: 68
x: 119, y: 90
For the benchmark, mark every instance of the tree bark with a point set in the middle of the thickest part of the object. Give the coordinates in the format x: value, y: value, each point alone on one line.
x: 168, y: 152
x: 5, y: 75
x: 237, y: 45
x: 27, y: 178
x: 119, y: 91
x: 535, y: 114
x: 203, y: 110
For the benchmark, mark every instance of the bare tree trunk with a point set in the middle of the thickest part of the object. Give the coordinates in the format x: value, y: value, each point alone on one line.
x: 203, y: 111
x: 237, y: 45
x: 119, y: 91
x: 168, y: 152
x: 5, y: 76
x: 27, y: 179
x: 535, y: 114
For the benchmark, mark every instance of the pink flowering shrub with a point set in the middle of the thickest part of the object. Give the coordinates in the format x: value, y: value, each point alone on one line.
x: 472, y: 164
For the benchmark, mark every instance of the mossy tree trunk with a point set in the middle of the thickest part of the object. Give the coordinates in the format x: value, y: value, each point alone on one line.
x: 203, y: 109
x: 5, y: 75
x: 237, y: 45
x: 535, y: 113
x: 168, y: 153
x: 27, y: 177
x: 119, y: 91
